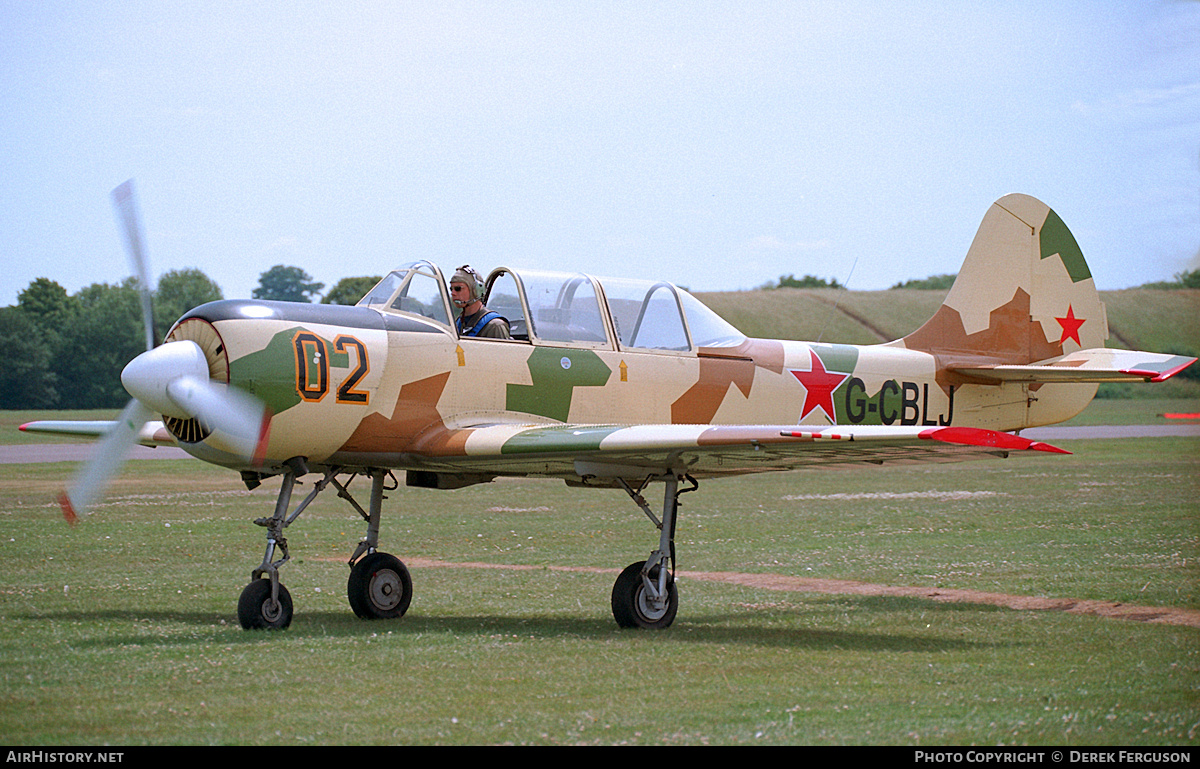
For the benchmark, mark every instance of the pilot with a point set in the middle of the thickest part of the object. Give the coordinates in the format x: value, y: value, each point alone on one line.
x: 466, y: 291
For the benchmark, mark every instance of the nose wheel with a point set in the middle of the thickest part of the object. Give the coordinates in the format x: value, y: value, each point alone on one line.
x: 379, y: 586
x: 258, y: 609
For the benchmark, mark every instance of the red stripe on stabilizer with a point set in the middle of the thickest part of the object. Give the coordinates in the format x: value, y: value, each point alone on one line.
x: 1158, y: 376
x: 1149, y: 376
x: 1174, y: 371
x: 68, y: 509
x: 975, y: 436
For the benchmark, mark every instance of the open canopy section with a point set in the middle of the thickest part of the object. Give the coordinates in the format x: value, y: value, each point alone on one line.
x: 567, y: 309
x: 415, y: 289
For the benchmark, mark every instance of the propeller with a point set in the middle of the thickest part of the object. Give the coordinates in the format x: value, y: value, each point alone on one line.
x: 131, y: 227
x: 171, y: 379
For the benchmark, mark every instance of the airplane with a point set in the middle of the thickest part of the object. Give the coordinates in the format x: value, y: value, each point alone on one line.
x: 607, y: 383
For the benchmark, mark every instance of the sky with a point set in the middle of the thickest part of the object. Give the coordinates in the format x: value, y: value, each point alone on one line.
x: 718, y: 145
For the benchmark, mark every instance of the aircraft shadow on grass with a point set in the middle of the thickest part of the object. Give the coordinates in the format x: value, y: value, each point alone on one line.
x: 184, y: 628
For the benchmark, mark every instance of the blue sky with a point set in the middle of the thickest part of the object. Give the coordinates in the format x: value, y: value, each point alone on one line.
x: 717, y: 145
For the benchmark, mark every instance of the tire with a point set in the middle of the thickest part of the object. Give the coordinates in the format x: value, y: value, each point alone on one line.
x: 630, y: 607
x: 379, y: 587
x: 256, y: 610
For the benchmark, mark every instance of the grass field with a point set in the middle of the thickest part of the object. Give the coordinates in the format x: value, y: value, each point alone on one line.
x: 122, y: 630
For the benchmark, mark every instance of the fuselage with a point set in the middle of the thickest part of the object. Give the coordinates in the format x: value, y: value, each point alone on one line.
x: 373, y: 383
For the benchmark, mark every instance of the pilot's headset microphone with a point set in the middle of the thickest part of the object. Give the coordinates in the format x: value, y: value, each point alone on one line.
x: 474, y: 285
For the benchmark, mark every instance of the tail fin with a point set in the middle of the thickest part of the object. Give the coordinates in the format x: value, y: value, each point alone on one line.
x: 1024, y: 293
x: 1024, y: 310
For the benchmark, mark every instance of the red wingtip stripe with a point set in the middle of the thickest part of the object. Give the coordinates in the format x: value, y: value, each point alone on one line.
x: 68, y: 509
x: 974, y: 436
x: 1039, y: 446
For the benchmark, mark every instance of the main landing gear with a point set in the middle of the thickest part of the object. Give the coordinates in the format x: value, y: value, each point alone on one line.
x: 645, y: 596
x: 379, y: 586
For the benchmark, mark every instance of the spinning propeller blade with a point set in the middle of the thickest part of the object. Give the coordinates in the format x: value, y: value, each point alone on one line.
x: 127, y: 212
x: 107, y: 457
x: 240, y: 423
x: 171, y: 379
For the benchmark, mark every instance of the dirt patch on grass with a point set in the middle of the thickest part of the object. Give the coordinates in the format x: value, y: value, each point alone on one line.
x: 1108, y: 609
x: 1169, y: 616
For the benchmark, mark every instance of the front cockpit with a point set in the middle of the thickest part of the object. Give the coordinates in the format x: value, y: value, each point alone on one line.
x: 418, y: 289
x: 565, y: 309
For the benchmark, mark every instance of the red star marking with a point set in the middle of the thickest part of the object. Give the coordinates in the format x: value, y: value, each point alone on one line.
x: 819, y: 386
x: 1070, y: 326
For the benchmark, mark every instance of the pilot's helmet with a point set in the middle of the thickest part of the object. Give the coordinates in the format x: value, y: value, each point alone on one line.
x: 471, y: 278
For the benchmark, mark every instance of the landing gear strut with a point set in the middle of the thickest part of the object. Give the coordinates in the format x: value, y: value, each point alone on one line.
x: 645, y: 596
x: 379, y: 586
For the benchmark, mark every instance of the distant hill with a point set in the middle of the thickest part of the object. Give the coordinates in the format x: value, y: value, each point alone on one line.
x: 1138, y: 318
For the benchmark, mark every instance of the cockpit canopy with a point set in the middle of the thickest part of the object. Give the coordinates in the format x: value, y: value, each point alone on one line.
x: 566, y: 309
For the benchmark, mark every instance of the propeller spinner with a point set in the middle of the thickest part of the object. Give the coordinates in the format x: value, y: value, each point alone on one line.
x: 173, y: 380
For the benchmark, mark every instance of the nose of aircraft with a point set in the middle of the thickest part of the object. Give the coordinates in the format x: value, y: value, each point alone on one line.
x: 173, y: 380
x: 149, y: 377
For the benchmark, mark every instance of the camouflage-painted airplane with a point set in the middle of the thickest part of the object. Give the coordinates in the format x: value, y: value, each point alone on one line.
x: 604, y: 383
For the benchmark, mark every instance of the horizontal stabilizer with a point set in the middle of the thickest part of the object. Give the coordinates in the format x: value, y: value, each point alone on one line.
x: 151, y: 433
x: 1084, y: 366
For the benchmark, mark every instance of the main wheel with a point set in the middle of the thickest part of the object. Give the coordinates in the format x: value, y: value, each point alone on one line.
x: 256, y: 610
x: 631, y: 604
x: 379, y: 587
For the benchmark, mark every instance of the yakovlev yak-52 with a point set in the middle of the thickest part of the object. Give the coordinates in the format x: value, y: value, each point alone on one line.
x: 600, y: 383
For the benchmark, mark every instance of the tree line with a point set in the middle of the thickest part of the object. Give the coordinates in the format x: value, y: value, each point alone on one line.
x: 66, y: 351
x: 1187, y: 279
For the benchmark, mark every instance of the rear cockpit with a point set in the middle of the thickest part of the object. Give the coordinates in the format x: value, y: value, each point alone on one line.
x: 566, y: 309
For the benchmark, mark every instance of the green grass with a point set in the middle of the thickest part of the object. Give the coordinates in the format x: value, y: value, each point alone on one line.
x: 122, y: 630
x: 1136, y: 411
x: 1163, y: 321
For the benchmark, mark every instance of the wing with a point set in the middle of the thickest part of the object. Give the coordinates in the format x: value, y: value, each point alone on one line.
x: 151, y: 434
x: 597, y: 452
